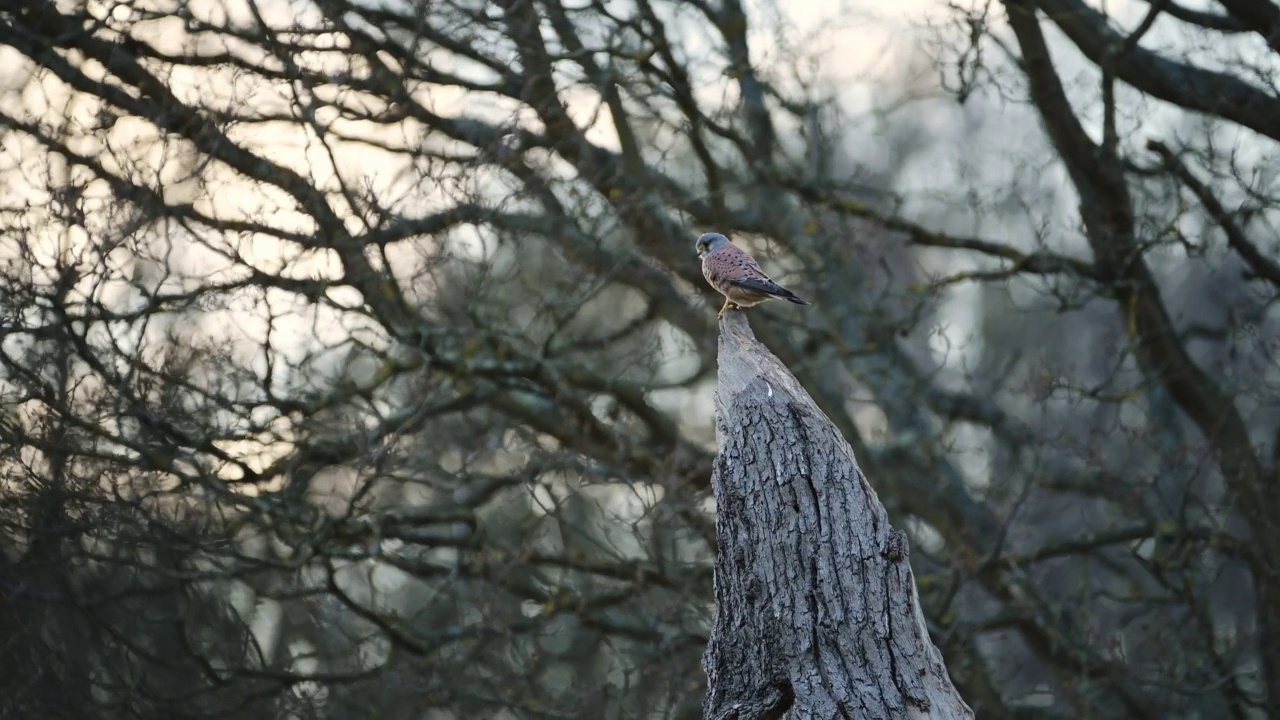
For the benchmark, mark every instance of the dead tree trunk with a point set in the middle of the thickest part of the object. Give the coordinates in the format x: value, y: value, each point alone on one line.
x: 816, y: 606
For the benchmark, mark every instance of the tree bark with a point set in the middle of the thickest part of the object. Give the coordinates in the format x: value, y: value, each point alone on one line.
x: 816, y: 607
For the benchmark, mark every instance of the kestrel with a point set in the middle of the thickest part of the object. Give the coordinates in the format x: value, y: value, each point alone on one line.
x: 737, y: 275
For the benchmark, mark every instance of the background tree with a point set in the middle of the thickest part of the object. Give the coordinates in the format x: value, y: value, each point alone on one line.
x: 355, y: 362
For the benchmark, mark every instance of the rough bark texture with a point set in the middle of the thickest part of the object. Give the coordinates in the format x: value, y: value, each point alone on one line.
x: 816, y: 607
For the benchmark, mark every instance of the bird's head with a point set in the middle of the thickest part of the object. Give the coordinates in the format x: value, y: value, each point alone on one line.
x: 710, y: 242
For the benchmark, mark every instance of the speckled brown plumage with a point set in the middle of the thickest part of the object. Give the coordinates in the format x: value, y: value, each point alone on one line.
x: 736, y: 275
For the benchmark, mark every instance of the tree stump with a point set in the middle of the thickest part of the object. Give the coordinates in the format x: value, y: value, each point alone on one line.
x: 816, y: 607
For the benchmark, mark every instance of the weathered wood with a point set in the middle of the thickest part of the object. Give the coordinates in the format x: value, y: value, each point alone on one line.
x: 816, y: 607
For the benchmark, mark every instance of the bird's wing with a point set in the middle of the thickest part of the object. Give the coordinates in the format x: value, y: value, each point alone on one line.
x: 732, y: 264
x: 764, y: 285
x: 737, y: 267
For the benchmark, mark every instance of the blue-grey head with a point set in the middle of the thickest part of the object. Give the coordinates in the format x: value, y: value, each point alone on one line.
x: 710, y: 242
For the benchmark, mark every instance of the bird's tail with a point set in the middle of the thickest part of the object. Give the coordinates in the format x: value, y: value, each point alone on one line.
x: 786, y: 294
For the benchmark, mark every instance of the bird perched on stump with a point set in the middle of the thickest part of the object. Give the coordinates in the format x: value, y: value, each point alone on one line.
x: 736, y: 275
